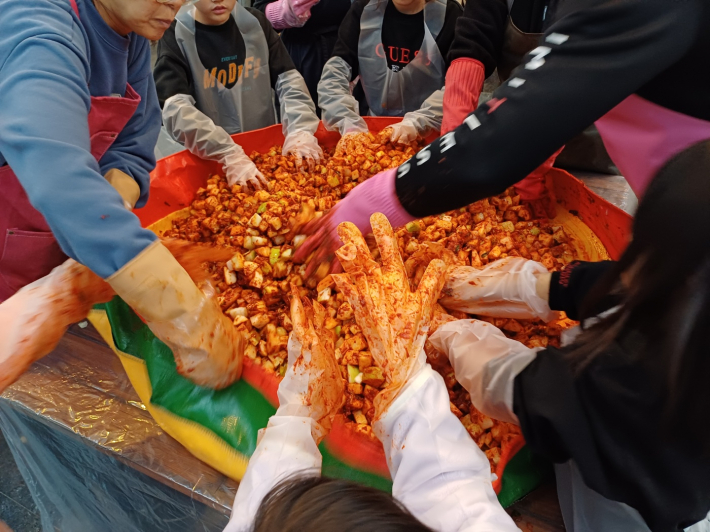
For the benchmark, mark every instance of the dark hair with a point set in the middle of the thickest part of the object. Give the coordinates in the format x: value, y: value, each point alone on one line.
x: 313, y: 503
x: 666, y: 292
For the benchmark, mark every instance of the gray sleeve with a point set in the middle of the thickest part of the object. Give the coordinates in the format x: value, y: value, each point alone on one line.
x: 195, y: 130
x: 298, y: 112
x: 429, y: 116
x: 339, y: 107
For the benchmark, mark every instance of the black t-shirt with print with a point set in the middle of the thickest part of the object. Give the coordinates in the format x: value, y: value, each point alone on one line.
x: 402, y: 36
x: 222, y: 53
x: 222, y: 48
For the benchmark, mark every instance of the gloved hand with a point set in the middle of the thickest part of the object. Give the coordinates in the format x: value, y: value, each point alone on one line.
x: 289, y: 13
x: 351, y: 141
x: 312, y: 386
x: 377, y: 194
x: 464, y: 83
x: 393, y: 318
x: 533, y: 190
x: 503, y: 289
x: 430, y: 456
x: 303, y: 145
x: 33, y: 321
x: 126, y: 186
x: 207, y: 348
x: 35, y: 318
x: 485, y: 363
x: 240, y: 169
x: 404, y: 132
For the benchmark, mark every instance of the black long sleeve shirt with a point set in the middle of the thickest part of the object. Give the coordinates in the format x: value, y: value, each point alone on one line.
x: 402, y: 35
x: 218, y: 46
x: 608, y: 419
x: 596, y: 54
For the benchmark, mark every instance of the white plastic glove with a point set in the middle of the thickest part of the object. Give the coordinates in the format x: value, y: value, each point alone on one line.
x: 303, y: 145
x: 505, y: 288
x: 310, y: 395
x: 404, y: 132
x: 240, y: 169
x: 439, y: 474
x: 485, y: 362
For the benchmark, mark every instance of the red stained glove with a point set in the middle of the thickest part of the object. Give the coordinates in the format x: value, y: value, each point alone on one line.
x: 532, y: 189
x: 464, y: 83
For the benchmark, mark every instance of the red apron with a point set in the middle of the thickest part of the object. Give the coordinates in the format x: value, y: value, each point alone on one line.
x: 28, y: 249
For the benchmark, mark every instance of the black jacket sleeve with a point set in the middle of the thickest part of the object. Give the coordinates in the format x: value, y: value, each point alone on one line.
x: 279, y: 60
x: 569, y: 287
x: 349, y: 35
x: 595, y: 55
x: 171, y: 72
x: 480, y: 32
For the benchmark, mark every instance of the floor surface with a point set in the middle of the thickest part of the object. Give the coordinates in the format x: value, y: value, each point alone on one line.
x: 17, y: 509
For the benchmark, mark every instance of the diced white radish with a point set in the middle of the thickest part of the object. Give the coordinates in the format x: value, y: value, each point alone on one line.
x: 229, y: 276
x: 255, y: 220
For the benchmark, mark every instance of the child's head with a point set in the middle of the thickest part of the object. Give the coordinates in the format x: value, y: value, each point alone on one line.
x: 331, y: 505
x: 213, y: 12
x: 409, y: 7
x: 664, y: 280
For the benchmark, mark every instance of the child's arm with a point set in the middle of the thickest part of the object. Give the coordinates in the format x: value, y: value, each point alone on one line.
x: 286, y: 447
x: 419, y: 123
x: 298, y: 112
x: 310, y: 394
x: 189, y: 126
x: 340, y: 109
x: 439, y: 473
x: 474, y: 55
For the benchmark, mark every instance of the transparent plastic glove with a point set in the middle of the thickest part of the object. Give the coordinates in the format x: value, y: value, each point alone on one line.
x: 393, y: 318
x: 503, y: 289
x: 241, y: 170
x: 351, y: 141
x: 377, y: 194
x: 289, y: 13
x: 485, y: 362
x: 404, y: 132
x: 34, y: 319
x: 208, y: 349
x: 303, y: 145
x: 310, y: 394
x: 312, y: 386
